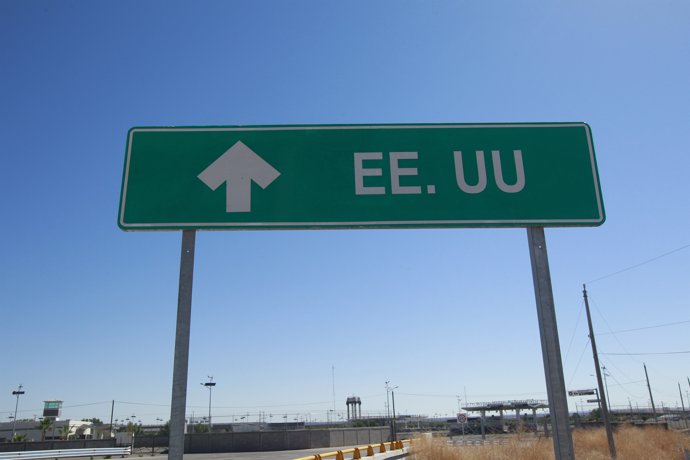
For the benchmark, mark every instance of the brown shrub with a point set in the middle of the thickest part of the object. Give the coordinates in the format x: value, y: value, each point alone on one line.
x: 648, y: 443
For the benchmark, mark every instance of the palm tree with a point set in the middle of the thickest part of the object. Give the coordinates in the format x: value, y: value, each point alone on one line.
x: 19, y: 438
x: 201, y: 428
x: 165, y: 429
x: 44, y: 425
x: 65, y: 431
x: 134, y: 429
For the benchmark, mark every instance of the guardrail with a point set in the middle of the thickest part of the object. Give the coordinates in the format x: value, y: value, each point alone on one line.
x: 372, y: 450
x: 67, y: 453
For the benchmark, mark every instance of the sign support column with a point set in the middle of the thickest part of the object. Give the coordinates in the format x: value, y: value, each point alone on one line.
x: 180, y: 365
x: 550, y: 346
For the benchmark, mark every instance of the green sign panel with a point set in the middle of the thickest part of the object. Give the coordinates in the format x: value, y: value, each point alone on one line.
x: 352, y: 176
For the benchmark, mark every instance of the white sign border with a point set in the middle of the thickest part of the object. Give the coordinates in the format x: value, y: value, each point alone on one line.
x: 421, y: 224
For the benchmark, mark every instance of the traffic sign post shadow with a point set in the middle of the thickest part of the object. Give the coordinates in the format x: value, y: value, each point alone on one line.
x: 364, y: 176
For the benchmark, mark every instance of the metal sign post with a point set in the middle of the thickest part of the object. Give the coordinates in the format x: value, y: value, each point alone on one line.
x: 550, y: 346
x: 180, y: 365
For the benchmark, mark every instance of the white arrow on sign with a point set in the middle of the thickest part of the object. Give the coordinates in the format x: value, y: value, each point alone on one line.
x: 238, y: 166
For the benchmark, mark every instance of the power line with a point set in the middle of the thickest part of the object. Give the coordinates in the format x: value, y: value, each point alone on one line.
x: 594, y: 302
x: 86, y: 404
x: 611, y: 363
x: 646, y: 327
x: 268, y: 406
x: 572, y: 337
x: 622, y: 385
x: 492, y: 395
x: 639, y: 264
x: 577, y: 366
x: 143, y: 404
x: 428, y: 395
x: 650, y: 353
x: 618, y: 384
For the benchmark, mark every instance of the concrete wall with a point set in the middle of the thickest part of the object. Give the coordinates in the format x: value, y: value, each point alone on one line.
x: 340, y: 437
x: 267, y: 441
x: 256, y: 441
x: 144, y: 441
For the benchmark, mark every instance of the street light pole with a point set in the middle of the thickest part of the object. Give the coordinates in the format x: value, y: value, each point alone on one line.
x: 390, y: 389
x: 18, y: 392
x: 210, y: 384
x: 388, y: 412
x: 395, y: 434
x: 606, y: 385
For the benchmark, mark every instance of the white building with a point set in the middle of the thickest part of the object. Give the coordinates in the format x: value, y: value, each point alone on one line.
x: 61, y: 429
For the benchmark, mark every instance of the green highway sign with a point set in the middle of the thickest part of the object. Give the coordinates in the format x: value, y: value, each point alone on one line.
x: 360, y: 176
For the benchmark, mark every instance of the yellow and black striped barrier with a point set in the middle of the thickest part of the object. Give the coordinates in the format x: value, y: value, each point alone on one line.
x: 362, y: 451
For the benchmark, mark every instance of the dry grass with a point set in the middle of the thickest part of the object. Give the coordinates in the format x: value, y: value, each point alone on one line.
x: 632, y: 443
x: 649, y: 443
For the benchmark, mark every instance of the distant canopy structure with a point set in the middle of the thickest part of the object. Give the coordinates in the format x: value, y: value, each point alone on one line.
x: 356, y: 403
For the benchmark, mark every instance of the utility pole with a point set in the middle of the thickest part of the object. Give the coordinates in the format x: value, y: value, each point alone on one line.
x: 112, y: 410
x: 333, y: 384
x: 395, y: 434
x: 210, y: 384
x: 18, y: 392
x: 682, y: 404
x: 388, y: 412
x: 651, y: 398
x: 602, y: 396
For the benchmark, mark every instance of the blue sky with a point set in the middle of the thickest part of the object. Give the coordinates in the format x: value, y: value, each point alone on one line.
x: 89, y: 311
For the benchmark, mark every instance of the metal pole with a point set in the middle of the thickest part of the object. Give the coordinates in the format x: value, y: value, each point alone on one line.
x: 181, y: 362
x: 18, y: 392
x: 388, y: 405
x: 210, y: 384
x: 550, y: 346
x: 606, y: 386
x: 483, y: 428
x: 596, y: 390
x: 333, y: 384
x: 682, y: 403
x: 112, y: 410
x: 602, y: 392
x: 464, y: 389
x: 651, y: 398
x: 395, y: 434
